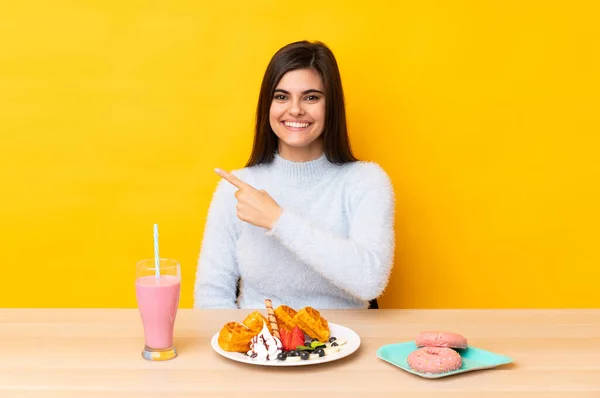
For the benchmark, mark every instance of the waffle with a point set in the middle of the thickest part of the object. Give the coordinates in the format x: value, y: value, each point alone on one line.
x: 254, y: 321
x: 235, y: 337
x: 285, y: 317
x: 312, y: 323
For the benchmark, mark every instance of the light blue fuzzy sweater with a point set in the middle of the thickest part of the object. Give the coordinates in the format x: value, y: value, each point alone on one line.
x: 332, y: 247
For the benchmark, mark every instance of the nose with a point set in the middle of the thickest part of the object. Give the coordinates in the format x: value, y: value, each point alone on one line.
x: 295, y: 108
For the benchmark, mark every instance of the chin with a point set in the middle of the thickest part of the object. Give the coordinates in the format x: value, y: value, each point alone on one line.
x: 297, y: 144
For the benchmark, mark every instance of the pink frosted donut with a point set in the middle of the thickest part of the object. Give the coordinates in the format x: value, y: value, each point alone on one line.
x: 440, y: 339
x: 434, y: 360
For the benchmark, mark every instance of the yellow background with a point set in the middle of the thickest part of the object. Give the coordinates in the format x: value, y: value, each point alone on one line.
x: 484, y: 114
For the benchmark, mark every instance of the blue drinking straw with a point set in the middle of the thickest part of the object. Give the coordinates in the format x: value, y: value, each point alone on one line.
x: 156, y: 257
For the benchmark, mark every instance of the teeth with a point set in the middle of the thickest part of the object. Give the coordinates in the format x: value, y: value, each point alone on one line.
x: 296, y: 125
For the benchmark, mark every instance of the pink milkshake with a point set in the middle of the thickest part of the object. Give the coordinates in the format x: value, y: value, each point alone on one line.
x: 158, y: 300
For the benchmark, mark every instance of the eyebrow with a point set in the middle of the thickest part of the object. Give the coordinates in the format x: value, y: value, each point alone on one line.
x: 312, y: 90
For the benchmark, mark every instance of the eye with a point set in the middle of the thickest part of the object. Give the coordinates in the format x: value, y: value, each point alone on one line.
x: 312, y: 98
x: 280, y: 97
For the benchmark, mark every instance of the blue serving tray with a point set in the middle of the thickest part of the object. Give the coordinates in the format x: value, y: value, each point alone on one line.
x: 473, y: 359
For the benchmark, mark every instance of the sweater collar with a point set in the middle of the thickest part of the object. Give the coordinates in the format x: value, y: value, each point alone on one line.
x: 301, y: 173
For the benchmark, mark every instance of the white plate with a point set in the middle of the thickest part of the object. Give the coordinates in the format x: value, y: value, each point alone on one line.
x: 338, y: 331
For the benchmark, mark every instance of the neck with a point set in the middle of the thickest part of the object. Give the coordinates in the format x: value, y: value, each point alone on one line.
x: 303, y: 154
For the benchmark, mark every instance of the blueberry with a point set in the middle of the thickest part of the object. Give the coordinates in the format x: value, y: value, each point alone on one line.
x: 304, y: 355
x: 334, y: 344
x: 332, y: 339
x: 293, y: 353
x: 281, y: 356
x: 321, y: 352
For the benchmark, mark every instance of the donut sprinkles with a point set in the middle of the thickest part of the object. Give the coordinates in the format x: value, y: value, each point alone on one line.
x: 441, y: 339
x: 436, y: 353
x: 434, y: 360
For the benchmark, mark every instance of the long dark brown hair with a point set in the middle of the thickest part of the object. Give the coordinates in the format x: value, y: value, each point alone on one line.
x: 303, y: 55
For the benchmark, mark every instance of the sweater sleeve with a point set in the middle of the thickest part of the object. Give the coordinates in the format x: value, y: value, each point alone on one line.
x: 217, y: 273
x: 361, y: 262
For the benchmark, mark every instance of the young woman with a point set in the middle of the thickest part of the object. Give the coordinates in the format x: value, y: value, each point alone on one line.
x: 305, y: 222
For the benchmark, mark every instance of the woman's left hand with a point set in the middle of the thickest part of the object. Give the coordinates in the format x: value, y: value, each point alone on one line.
x: 254, y: 206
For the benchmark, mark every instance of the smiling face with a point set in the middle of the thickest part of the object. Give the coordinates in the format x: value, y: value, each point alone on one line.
x: 297, y: 115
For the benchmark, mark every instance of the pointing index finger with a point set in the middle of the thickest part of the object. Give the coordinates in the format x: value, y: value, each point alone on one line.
x: 233, y: 180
